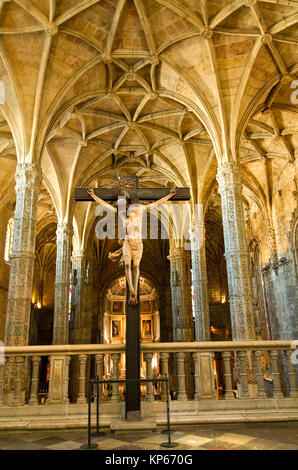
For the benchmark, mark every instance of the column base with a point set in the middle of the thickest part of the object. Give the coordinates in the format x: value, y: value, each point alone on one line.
x: 82, y: 401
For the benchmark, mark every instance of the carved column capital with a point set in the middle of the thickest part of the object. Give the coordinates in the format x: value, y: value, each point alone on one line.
x: 28, y: 176
x: 64, y: 230
x: 79, y: 254
x: 229, y: 176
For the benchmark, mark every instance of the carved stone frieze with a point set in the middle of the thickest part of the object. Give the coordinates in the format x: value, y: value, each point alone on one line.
x: 63, y: 266
x: 28, y: 180
x: 240, y: 298
x: 200, y: 282
x: 181, y: 294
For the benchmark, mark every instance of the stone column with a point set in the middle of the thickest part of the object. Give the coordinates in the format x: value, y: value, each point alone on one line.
x: 64, y: 239
x: 181, y: 376
x: 35, y: 380
x: 277, y: 393
x: 82, y: 379
x: 18, y: 399
x: 81, y: 300
x: 115, y: 386
x: 2, y: 366
x: 200, y: 282
x: 182, y: 319
x: 148, y: 356
x: 259, y: 375
x: 164, y: 357
x: 99, y: 360
x: 226, y: 357
x: 28, y: 179
x: 181, y: 294
x: 292, y: 375
x: 240, y: 298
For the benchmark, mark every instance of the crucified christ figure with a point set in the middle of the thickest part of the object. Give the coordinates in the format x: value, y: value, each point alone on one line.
x: 131, y: 216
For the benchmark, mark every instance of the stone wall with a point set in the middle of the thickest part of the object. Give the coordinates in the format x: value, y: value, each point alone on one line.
x: 275, y: 234
x: 280, y: 283
x: 5, y: 214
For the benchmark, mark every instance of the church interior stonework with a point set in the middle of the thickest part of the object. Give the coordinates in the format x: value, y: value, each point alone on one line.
x: 196, y: 95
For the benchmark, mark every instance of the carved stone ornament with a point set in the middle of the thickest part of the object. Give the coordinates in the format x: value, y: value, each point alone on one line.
x: 28, y: 178
x: 240, y: 298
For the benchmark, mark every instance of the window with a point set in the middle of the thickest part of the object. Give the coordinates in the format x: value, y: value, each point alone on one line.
x: 8, y: 241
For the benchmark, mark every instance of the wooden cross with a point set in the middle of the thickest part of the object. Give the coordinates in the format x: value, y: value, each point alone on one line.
x: 132, y: 397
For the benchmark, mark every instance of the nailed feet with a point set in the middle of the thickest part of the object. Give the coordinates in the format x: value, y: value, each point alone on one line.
x: 133, y: 300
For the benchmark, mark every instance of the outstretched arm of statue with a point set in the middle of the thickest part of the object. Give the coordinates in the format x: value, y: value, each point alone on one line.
x: 163, y: 200
x: 97, y: 199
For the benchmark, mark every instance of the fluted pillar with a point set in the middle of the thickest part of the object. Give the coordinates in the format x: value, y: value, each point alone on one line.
x: 115, y: 386
x: 28, y: 179
x: 35, y: 380
x: 180, y: 356
x: 19, y: 371
x: 82, y: 379
x: 164, y: 357
x: 259, y: 374
x: 226, y: 357
x: 240, y: 297
x: 200, y: 282
x: 148, y: 356
x: 64, y: 239
x: 99, y: 360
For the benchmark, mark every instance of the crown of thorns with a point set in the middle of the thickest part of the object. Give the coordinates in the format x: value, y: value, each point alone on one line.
x: 122, y: 183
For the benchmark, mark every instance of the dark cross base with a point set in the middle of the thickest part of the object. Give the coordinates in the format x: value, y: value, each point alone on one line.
x: 133, y: 395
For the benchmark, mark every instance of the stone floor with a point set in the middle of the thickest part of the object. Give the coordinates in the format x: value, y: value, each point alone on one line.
x: 271, y: 436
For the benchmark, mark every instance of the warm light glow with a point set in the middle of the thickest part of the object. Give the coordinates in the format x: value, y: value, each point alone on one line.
x: 38, y: 305
x: 8, y: 241
x: 154, y: 362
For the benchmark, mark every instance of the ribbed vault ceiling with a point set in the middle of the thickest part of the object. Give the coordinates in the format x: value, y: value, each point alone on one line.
x: 158, y: 88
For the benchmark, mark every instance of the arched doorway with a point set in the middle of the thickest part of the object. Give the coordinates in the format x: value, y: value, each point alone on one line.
x: 114, y: 324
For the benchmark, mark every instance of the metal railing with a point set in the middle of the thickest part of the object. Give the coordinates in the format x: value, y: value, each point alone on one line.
x: 97, y: 381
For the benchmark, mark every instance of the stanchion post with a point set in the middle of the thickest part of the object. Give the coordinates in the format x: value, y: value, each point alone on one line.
x: 97, y: 432
x: 168, y: 430
x: 169, y: 443
x: 89, y: 445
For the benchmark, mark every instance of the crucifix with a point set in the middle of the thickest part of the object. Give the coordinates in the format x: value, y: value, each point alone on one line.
x: 132, y: 253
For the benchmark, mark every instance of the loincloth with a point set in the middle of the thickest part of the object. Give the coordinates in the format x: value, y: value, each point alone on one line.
x: 132, y: 250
